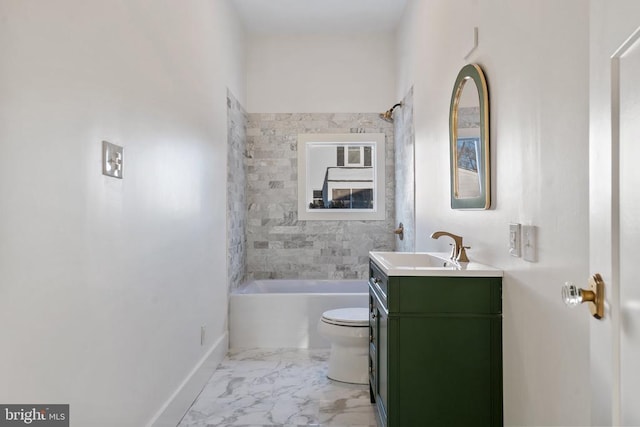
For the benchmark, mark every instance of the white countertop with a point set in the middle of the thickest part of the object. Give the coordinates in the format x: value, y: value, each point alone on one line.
x: 429, y: 264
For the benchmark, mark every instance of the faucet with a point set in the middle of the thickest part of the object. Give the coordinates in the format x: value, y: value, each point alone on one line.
x: 458, y: 253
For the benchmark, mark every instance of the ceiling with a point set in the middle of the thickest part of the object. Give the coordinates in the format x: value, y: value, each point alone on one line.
x: 319, y: 16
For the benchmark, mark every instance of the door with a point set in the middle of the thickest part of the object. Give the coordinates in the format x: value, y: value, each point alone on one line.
x: 615, y: 208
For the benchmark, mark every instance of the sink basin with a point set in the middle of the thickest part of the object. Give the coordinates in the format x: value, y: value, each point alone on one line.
x: 411, y: 259
x: 429, y: 264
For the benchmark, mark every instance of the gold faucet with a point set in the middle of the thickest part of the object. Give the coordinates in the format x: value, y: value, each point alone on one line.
x: 458, y: 253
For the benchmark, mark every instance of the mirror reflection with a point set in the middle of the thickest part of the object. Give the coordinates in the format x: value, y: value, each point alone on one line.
x: 469, y: 141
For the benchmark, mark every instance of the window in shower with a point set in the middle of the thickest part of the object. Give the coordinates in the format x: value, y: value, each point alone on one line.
x: 341, y: 176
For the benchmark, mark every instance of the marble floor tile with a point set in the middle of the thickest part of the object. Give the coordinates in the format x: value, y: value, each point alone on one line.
x: 280, y: 387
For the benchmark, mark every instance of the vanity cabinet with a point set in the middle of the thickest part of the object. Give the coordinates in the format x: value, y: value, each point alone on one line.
x: 435, y: 354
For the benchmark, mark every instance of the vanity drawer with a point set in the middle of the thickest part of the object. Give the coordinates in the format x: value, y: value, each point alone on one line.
x: 372, y: 317
x: 379, y: 281
x: 445, y: 295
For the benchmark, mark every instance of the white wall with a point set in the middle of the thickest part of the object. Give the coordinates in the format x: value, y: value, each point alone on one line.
x: 312, y: 73
x: 104, y: 282
x: 535, y: 57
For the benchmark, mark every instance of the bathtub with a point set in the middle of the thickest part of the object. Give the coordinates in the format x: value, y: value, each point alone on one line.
x: 285, y: 313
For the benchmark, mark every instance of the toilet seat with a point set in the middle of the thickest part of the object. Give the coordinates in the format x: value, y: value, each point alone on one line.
x: 354, y: 317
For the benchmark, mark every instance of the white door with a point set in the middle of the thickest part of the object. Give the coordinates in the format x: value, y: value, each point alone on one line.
x: 615, y: 208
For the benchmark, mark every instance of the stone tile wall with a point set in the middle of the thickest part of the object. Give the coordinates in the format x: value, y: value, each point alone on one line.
x: 236, y: 192
x: 279, y: 246
x: 405, y: 175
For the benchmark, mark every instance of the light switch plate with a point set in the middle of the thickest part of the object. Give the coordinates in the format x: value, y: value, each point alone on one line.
x: 112, y: 158
x: 529, y: 243
x: 514, y: 240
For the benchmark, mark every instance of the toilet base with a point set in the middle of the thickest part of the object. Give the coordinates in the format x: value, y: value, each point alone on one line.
x: 349, y: 364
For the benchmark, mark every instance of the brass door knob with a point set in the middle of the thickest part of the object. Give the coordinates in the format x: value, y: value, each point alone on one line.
x: 594, y: 296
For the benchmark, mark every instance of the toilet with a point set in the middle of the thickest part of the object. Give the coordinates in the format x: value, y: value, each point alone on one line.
x: 347, y: 329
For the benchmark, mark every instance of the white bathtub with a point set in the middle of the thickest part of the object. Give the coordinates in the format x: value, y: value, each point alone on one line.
x: 285, y: 313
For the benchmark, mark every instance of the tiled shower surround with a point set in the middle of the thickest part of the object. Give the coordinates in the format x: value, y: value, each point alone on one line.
x: 236, y: 192
x: 405, y: 181
x: 279, y: 246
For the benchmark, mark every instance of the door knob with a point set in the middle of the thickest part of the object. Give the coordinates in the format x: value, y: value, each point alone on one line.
x: 594, y: 296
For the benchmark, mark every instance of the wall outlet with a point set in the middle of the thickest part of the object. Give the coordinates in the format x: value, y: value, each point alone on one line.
x: 529, y: 243
x: 514, y: 240
x: 203, y: 330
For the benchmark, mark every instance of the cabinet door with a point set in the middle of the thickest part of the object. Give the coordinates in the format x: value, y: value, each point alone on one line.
x: 373, y: 346
x: 450, y: 371
x: 382, y: 383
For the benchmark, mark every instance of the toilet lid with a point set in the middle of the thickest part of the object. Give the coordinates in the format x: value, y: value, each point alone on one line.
x: 347, y: 317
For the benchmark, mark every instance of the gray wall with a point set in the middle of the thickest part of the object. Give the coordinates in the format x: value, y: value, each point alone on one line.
x: 280, y: 246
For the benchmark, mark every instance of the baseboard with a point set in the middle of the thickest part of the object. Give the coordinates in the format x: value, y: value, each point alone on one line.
x: 180, y: 401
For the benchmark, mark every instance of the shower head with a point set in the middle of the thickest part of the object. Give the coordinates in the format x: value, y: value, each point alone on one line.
x: 388, y: 115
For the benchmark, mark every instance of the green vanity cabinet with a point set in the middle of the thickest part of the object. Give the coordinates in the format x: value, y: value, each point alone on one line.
x: 435, y: 355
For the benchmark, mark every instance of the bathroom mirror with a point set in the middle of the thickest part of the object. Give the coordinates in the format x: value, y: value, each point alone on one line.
x: 469, y: 140
x: 341, y: 176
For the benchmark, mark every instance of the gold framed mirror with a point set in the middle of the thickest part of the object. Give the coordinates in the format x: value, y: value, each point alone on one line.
x: 469, y: 140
